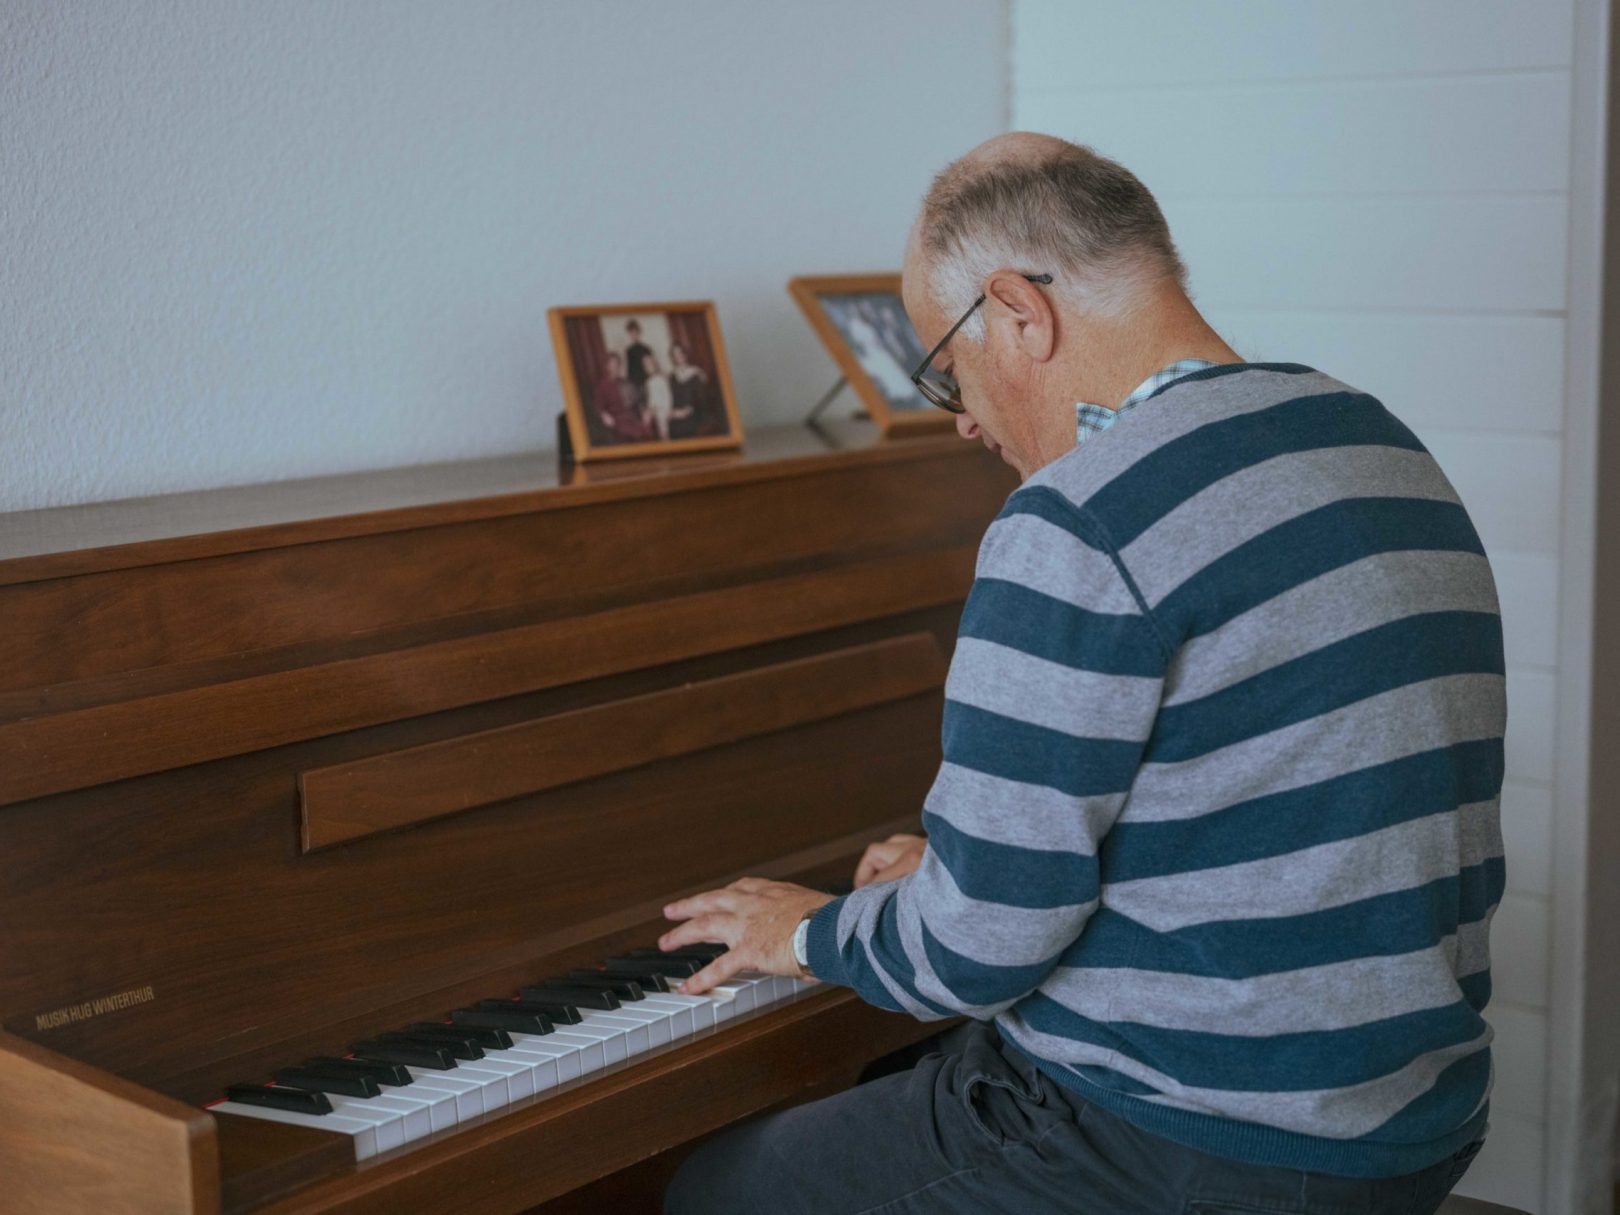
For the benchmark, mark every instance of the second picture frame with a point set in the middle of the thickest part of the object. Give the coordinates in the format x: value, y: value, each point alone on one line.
x: 861, y: 320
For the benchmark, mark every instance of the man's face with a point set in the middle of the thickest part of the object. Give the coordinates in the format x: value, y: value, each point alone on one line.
x: 990, y: 417
x: 634, y: 330
x: 615, y: 366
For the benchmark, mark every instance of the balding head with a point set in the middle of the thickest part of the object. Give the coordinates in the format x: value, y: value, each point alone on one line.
x: 1013, y: 148
x: 1040, y: 205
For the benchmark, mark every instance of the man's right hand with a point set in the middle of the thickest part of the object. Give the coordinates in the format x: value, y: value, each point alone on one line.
x: 893, y: 858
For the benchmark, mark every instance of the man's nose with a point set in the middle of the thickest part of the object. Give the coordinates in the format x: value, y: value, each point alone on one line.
x: 966, y: 426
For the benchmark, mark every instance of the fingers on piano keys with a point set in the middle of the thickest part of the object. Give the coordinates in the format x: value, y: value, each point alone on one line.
x: 406, y: 1084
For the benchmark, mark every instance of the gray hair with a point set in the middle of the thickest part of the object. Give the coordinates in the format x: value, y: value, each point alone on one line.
x: 1067, y: 212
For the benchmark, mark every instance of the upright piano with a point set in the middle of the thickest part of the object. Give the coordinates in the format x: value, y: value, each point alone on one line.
x: 384, y: 779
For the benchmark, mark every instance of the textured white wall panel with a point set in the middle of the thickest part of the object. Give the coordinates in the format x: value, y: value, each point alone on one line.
x: 1519, y: 1054
x: 1527, y: 837
x: 1444, y: 372
x: 1532, y: 695
x: 1527, y: 585
x: 1381, y: 190
x: 1509, y: 1169
x: 1447, y: 134
x: 1480, y: 464
x: 1152, y: 42
x: 1418, y: 253
x: 244, y: 241
x: 1519, y: 951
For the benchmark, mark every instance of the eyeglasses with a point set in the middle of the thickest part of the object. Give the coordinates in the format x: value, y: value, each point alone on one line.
x: 943, y: 390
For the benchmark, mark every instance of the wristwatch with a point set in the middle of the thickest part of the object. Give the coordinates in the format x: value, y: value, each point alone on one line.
x: 801, y: 941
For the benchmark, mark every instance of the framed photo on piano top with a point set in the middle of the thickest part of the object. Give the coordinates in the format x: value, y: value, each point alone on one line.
x: 644, y: 379
x: 863, y: 323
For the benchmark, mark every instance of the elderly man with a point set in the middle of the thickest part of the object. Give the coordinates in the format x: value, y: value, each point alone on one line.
x: 1213, y: 850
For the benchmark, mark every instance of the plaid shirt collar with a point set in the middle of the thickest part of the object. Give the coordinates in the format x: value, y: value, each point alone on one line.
x: 1090, y: 419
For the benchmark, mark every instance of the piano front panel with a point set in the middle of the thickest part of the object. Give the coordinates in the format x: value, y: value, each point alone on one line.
x: 107, y: 742
x: 194, y: 883
x: 350, y: 801
x: 293, y: 604
x: 164, y: 921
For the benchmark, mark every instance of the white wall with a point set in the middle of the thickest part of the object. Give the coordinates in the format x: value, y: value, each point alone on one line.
x: 244, y: 240
x: 1381, y: 190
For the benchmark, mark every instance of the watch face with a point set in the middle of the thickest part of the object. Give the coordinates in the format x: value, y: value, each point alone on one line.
x: 801, y: 941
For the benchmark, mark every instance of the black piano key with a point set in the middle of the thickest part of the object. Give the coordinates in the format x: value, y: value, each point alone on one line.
x: 298, y: 1100
x: 480, y: 1035
x: 648, y: 973
x: 622, y: 986
x: 579, y: 997
x: 413, y: 1054
x: 652, y: 976
x: 678, y: 965
x: 326, y: 1082
x: 690, y: 953
x: 512, y: 1022
x: 699, y: 949
x: 391, y: 1074
x: 460, y: 1047
x: 559, y: 1012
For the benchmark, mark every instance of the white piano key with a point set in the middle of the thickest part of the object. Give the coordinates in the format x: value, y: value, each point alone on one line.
x: 542, y: 1068
x: 522, y: 1083
x: 725, y: 1004
x: 565, y: 1057
x: 757, y: 990
x: 389, y: 1124
x: 637, y: 1038
x: 686, y: 1013
x: 363, y: 1133
x: 779, y: 986
x: 654, y: 1023
x: 492, y: 1082
x: 469, y: 1096
x: 701, y: 1008
x: 439, y: 1104
x: 534, y: 1064
x: 418, y: 1113
x: 411, y: 1118
x: 592, y: 1058
x: 519, y: 1072
x: 739, y: 996
x: 613, y: 1037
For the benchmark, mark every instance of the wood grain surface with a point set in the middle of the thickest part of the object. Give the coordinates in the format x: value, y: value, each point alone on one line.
x: 729, y: 665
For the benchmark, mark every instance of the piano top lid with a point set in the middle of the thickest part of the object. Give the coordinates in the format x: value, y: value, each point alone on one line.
x: 70, y: 540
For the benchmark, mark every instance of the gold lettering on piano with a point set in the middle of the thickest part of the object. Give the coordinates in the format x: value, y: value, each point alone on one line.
x: 75, y: 1013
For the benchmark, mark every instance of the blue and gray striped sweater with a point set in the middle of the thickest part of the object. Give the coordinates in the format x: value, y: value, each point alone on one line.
x: 1215, y: 839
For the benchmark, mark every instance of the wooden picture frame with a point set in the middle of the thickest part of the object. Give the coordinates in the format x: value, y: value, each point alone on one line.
x: 619, y: 410
x: 879, y: 362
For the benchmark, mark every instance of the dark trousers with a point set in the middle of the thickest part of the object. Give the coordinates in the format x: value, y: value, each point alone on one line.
x: 975, y: 1128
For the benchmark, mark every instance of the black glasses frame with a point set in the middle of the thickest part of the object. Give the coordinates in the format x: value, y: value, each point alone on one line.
x: 950, y: 399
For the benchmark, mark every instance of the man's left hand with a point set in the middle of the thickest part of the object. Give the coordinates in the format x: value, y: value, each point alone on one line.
x: 753, y: 917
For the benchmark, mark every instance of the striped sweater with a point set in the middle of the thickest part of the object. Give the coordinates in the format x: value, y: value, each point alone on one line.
x: 1215, y: 839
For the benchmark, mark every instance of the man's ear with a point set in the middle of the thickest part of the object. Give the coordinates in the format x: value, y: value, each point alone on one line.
x: 1023, y: 313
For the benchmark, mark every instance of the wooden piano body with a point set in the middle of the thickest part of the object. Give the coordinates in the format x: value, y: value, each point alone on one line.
x: 284, y: 766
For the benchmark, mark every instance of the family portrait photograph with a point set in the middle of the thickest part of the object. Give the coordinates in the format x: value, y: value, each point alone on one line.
x: 862, y: 322
x: 644, y: 379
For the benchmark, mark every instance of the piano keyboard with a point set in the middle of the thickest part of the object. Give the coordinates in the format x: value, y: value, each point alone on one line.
x: 402, y: 1086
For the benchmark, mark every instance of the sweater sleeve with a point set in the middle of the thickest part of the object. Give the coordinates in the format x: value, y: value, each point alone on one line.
x: 1051, y: 697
